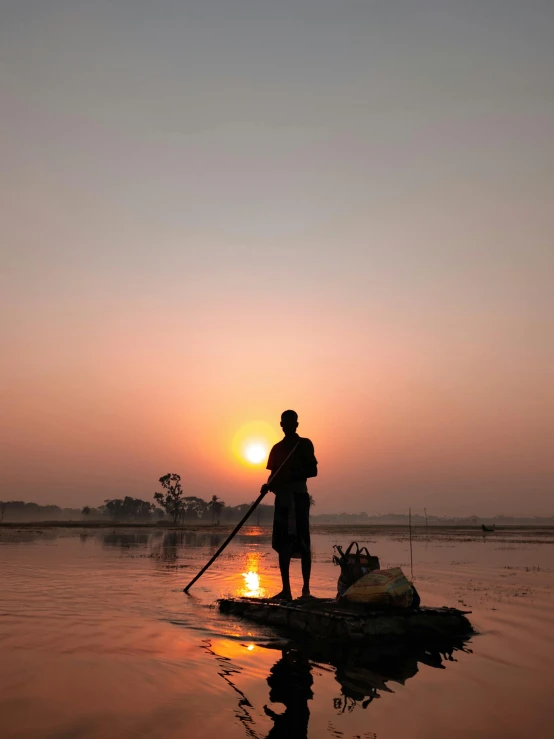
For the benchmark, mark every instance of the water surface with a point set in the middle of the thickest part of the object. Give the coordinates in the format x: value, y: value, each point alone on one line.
x: 97, y: 640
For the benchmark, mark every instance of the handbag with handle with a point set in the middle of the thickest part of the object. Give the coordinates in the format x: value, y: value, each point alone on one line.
x: 354, y: 564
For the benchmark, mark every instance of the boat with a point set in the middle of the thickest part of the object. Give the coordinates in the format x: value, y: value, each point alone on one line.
x: 488, y: 528
x: 333, y: 619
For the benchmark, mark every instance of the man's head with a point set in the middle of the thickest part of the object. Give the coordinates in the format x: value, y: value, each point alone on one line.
x: 289, y: 422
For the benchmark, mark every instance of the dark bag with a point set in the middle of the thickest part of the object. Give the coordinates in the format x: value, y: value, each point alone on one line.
x: 353, y: 565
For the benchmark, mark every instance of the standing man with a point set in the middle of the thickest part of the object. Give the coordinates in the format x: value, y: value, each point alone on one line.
x: 291, y: 520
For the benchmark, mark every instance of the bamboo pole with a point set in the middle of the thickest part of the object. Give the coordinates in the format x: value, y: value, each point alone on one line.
x: 411, y: 550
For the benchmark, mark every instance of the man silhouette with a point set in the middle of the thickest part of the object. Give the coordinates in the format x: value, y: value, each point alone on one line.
x: 290, y: 681
x: 291, y: 520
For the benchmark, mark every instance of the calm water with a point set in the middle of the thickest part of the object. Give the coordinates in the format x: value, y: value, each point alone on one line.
x: 97, y: 639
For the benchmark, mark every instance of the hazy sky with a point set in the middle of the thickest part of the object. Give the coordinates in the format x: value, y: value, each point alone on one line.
x: 213, y: 211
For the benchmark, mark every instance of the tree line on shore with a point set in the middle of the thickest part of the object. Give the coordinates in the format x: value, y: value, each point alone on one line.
x: 135, y: 510
x: 171, y: 505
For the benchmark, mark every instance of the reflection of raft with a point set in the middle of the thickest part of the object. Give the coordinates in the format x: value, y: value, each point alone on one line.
x: 331, y: 619
x: 362, y: 670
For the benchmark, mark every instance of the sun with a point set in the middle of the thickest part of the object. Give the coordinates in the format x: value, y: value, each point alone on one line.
x: 255, y: 453
x: 252, y: 442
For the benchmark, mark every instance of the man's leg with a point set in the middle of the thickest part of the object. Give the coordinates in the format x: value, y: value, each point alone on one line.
x: 306, y: 572
x: 303, y: 524
x: 284, y: 567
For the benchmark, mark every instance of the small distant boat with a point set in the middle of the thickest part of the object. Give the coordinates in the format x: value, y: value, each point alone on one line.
x: 488, y: 528
x: 339, y: 620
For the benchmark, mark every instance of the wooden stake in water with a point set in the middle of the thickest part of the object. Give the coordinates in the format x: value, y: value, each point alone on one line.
x: 411, y: 550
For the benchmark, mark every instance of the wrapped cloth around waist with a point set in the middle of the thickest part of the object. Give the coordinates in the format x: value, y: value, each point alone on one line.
x: 291, y: 511
x: 287, y: 490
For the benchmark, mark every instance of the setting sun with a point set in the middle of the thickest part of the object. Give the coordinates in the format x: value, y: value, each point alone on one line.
x: 256, y: 453
x: 252, y: 442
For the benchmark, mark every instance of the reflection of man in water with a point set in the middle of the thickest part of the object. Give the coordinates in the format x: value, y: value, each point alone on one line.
x: 291, y: 521
x: 290, y: 681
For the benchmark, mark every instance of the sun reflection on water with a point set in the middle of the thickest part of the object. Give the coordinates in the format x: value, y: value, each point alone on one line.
x: 250, y: 587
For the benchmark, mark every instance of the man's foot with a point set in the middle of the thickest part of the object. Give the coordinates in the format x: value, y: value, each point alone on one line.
x: 306, y: 592
x: 283, y: 595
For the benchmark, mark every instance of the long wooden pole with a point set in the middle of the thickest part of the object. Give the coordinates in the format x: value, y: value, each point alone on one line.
x: 411, y: 551
x: 237, y: 528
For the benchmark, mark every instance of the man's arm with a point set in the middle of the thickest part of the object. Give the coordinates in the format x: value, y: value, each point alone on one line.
x: 310, y: 460
x: 270, y: 465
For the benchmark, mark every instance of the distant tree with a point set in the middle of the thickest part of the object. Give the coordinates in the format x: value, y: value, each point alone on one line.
x: 129, y: 508
x: 216, y: 506
x: 212, y: 504
x: 241, y: 509
x: 312, y: 501
x: 159, y: 513
x: 171, y: 500
x: 142, y: 509
x: 2, y: 509
x: 86, y: 511
x: 194, y: 508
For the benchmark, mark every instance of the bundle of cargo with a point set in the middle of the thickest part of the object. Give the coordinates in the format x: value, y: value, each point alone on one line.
x: 362, y: 581
x: 382, y: 588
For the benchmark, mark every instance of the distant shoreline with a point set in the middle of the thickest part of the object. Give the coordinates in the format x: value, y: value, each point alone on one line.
x: 227, y: 528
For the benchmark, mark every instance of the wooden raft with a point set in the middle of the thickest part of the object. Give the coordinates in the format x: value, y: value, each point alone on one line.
x: 331, y: 619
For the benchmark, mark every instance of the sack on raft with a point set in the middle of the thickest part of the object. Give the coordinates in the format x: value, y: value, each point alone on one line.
x: 382, y: 588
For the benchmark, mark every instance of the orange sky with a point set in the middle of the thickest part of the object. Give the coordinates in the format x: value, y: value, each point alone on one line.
x: 208, y: 222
